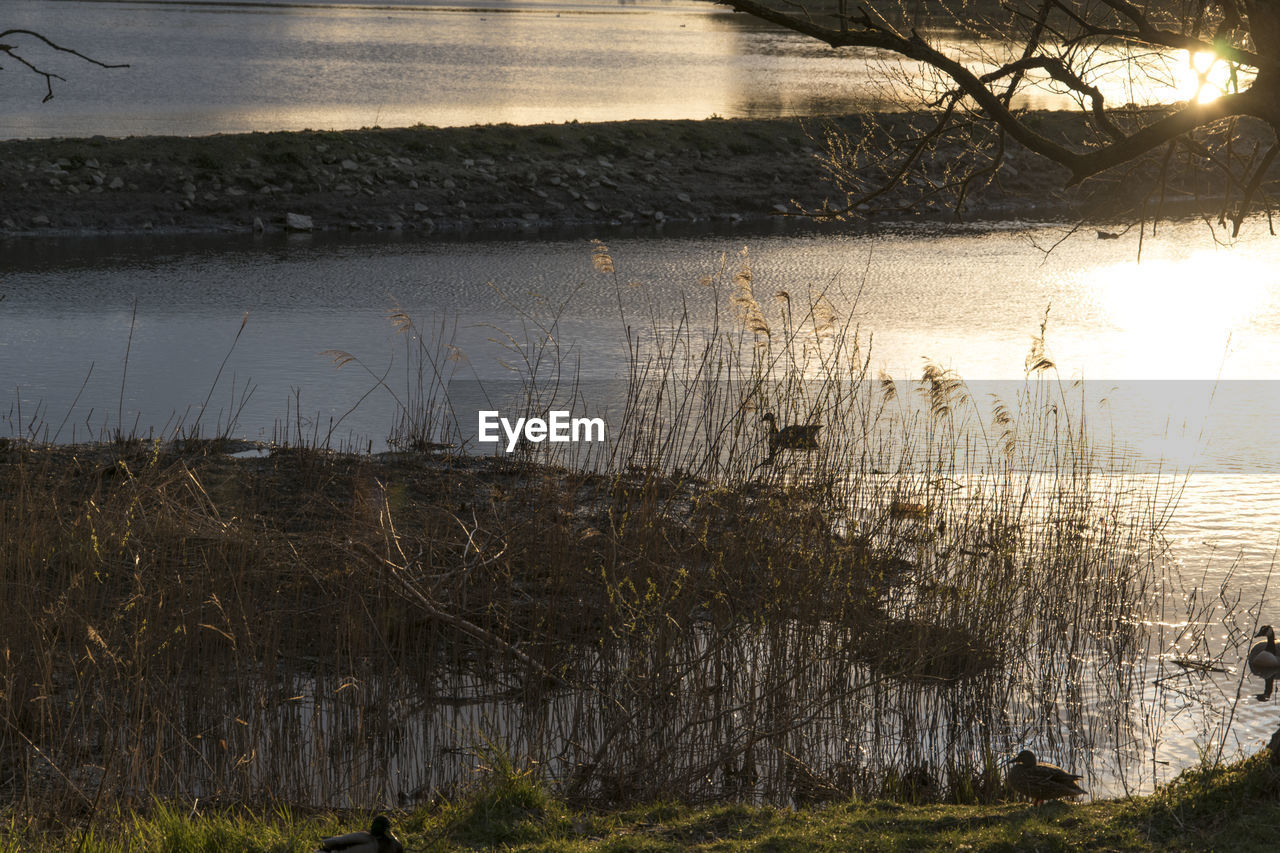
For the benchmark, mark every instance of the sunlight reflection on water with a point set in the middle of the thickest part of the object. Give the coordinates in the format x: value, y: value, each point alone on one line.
x: 219, y: 68
x: 1182, y: 348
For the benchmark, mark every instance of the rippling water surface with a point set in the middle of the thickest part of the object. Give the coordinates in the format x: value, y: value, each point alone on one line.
x: 1191, y: 333
x: 202, y: 67
x: 1177, y: 354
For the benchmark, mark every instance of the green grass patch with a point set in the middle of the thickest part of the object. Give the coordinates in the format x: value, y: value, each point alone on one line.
x: 1233, y: 807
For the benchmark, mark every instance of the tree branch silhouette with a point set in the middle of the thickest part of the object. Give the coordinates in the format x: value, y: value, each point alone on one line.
x: 1062, y: 41
x: 12, y: 50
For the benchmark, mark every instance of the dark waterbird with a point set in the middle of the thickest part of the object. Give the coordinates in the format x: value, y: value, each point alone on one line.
x: 377, y: 840
x: 1264, y: 660
x: 1041, y: 781
x: 790, y: 437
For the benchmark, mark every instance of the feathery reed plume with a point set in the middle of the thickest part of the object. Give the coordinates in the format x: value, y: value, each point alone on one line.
x: 600, y: 258
x: 943, y: 388
x: 825, y: 318
x: 1037, y: 361
x: 753, y: 319
x: 1002, y: 420
x: 888, y: 387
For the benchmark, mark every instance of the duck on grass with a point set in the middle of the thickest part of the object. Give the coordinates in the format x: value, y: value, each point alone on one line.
x: 1041, y: 781
x: 378, y: 839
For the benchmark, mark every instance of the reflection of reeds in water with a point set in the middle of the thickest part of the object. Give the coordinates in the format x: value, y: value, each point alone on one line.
x: 889, y: 614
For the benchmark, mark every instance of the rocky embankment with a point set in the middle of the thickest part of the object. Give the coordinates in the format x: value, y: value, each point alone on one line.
x: 450, y: 180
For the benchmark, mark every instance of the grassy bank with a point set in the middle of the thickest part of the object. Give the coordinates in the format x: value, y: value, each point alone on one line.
x: 1234, y: 807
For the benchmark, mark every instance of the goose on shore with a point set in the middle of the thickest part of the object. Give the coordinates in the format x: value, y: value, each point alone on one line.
x: 790, y: 437
x: 378, y: 839
x: 1041, y: 781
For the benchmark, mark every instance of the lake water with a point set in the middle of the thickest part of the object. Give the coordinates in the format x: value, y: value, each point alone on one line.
x: 1197, y: 367
x: 200, y: 68
x: 1177, y: 353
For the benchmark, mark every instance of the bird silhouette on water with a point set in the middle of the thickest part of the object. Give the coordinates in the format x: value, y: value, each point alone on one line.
x: 1264, y: 659
x: 378, y: 839
x: 1041, y: 781
x: 790, y: 437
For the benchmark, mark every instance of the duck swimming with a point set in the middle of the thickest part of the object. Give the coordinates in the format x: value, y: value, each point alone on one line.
x: 790, y: 437
x: 1264, y: 659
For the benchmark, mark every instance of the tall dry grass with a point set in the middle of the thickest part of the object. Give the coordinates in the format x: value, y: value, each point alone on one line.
x: 891, y: 614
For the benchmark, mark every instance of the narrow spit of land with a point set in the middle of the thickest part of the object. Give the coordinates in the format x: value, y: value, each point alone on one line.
x: 486, y: 178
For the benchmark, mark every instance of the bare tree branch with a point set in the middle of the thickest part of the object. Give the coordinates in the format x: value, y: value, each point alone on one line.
x: 49, y: 77
x: 1074, y: 44
x: 1250, y: 191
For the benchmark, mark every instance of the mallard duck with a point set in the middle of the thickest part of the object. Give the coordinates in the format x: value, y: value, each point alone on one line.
x: 1041, y: 781
x: 377, y: 840
x: 790, y: 437
x: 1264, y: 659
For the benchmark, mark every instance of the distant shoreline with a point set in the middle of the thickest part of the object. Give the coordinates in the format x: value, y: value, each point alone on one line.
x: 490, y: 178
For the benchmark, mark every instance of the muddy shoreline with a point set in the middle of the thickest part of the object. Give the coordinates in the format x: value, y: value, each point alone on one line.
x: 491, y: 178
